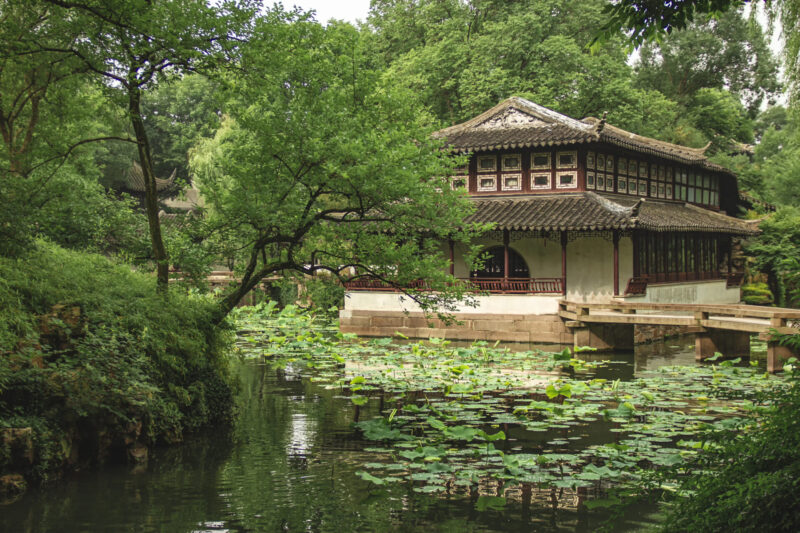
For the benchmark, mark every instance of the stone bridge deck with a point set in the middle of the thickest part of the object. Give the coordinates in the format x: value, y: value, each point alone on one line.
x: 718, y: 328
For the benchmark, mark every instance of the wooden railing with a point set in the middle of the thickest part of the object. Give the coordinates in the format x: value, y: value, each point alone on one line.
x: 517, y: 285
x: 491, y: 285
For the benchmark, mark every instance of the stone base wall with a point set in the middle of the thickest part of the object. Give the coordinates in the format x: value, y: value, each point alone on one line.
x: 543, y: 329
x: 644, y: 334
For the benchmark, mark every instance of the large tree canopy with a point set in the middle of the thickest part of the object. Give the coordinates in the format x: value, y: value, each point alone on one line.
x: 323, y: 166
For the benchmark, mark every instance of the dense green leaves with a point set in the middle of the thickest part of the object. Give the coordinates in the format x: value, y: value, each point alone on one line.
x: 322, y: 165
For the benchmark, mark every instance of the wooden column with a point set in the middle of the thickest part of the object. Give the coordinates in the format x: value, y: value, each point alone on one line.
x: 615, y: 239
x: 730, y: 255
x: 636, y: 247
x: 506, y: 258
x: 564, y: 263
x: 452, y: 246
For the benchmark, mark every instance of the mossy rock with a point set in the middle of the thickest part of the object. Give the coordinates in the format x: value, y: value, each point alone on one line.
x: 757, y: 294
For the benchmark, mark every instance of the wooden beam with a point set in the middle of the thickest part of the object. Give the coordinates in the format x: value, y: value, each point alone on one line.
x: 564, y: 262
x: 506, y: 255
x: 452, y: 247
x: 615, y: 239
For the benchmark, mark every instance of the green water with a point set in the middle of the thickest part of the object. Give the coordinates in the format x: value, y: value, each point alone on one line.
x: 289, y: 465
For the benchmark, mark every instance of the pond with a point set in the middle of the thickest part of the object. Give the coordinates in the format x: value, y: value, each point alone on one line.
x: 296, y: 462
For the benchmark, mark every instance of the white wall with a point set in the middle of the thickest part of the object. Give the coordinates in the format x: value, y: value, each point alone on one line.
x: 689, y: 292
x: 495, y: 304
x: 590, y: 263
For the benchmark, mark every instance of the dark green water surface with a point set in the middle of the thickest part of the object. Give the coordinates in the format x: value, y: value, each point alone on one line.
x: 289, y: 465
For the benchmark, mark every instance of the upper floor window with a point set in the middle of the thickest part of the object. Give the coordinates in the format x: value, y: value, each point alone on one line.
x: 459, y: 182
x: 567, y: 159
x: 541, y: 161
x: 512, y: 182
x: 512, y: 162
x: 487, y: 183
x: 566, y: 180
x: 540, y: 180
x: 487, y: 163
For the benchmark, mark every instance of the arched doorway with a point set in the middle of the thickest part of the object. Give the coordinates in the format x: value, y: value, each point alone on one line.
x: 494, y: 266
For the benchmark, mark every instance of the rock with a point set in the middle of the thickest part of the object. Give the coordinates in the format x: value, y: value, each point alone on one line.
x: 17, y: 445
x: 61, y: 325
x: 12, y: 485
x: 137, y: 453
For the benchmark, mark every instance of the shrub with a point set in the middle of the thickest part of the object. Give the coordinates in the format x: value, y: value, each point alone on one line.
x: 751, y: 480
x: 89, y: 348
x: 757, y: 294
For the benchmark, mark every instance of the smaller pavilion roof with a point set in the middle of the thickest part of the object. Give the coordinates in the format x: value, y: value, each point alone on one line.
x: 135, y: 181
x: 589, y: 211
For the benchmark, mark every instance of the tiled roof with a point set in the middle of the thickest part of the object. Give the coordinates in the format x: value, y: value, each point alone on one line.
x: 519, y: 137
x: 136, y: 179
x: 589, y: 211
x: 585, y: 211
x: 516, y: 122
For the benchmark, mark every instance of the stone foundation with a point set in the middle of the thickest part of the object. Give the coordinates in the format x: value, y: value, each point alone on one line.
x: 643, y: 334
x: 536, y: 329
x: 545, y: 329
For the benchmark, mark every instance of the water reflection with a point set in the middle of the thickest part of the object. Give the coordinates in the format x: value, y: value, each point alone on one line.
x: 290, y: 465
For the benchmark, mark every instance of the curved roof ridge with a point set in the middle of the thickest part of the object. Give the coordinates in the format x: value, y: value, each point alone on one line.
x: 523, y: 105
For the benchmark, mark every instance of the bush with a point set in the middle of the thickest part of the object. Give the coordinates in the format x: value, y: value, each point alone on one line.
x: 757, y: 294
x: 751, y: 480
x: 91, y: 355
x: 326, y: 295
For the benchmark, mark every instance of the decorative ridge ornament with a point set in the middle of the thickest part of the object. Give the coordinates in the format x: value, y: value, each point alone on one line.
x: 521, y: 106
x: 601, y: 124
x: 511, y: 117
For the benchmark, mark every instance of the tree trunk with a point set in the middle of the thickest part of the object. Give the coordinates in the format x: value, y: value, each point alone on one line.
x: 150, y: 189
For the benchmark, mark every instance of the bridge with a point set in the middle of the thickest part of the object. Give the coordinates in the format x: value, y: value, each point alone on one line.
x: 717, y: 328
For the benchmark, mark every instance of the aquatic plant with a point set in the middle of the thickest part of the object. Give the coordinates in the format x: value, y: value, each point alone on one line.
x: 456, y: 417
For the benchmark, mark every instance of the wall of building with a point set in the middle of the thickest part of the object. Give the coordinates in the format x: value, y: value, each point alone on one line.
x: 529, y: 328
x: 694, y: 292
x: 590, y: 263
x: 527, y: 304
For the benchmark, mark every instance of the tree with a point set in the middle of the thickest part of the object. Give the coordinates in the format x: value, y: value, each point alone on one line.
x: 133, y: 43
x: 651, y: 20
x: 463, y: 57
x: 51, y: 119
x: 729, y: 52
x: 323, y: 167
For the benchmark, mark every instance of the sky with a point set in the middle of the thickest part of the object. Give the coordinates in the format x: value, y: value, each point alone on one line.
x: 348, y: 10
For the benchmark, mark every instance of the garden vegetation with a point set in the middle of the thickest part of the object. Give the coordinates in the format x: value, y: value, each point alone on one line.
x: 98, y: 364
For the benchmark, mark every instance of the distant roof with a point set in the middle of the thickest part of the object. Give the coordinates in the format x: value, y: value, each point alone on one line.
x: 519, y: 123
x: 135, y: 182
x: 748, y: 201
x: 589, y: 211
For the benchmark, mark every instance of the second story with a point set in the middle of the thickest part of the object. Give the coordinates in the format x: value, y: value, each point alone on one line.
x: 521, y: 148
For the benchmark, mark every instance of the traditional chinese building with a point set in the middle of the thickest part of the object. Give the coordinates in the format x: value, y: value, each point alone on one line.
x: 582, y: 211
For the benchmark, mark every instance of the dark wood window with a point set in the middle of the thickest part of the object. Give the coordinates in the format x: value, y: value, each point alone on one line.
x: 662, y: 257
x: 494, y: 265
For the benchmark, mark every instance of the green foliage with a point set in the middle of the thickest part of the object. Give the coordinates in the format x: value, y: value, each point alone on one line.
x: 757, y: 294
x: 323, y: 165
x: 776, y: 251
x: 325, y: 295
x: 114, y: 354
x: 749, y: 479
x: 461, y: 58
x: 729, y: 54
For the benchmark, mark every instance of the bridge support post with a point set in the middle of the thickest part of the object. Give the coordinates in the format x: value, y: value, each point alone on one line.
x: 604, y: 337
x: 777, y: 355
x: 728, y: 343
